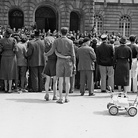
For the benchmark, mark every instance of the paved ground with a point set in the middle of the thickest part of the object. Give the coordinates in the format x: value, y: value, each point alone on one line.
x: 28, y: 115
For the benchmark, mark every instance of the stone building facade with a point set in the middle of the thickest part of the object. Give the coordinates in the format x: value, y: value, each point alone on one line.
x: 51, y: 14
x: 117, y: 16
x: 107, y: 15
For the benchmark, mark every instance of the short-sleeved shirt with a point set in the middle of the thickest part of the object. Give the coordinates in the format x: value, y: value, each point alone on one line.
x: 65, y: 47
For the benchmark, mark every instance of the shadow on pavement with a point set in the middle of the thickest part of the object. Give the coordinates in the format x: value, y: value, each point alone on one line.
x: 106, y: 113
x: 32, y: 101
x: 99, y: 96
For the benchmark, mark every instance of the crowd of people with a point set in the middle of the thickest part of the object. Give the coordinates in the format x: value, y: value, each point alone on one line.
x: 38, y: 61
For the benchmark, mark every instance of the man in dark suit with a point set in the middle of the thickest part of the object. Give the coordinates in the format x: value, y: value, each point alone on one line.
x: 105, y: 55
x: 86, y: 57
x: 36, y: 60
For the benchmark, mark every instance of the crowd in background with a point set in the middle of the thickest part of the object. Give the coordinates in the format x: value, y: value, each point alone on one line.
x: 113, y: 58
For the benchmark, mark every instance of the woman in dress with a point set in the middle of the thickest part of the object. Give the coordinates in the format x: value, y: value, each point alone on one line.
x: 123, y: 61
x: 8, y: 68
x: 50, y: 69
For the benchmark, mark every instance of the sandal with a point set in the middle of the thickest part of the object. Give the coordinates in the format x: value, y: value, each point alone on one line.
x: 60, y: 101
x: 54, y: 97
x: 66, y: 100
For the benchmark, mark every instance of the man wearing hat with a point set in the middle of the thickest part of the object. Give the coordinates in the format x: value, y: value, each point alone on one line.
x: 134, y: 68
x: 105, y: 54
x: 86, y: 58
x: 35, y: 54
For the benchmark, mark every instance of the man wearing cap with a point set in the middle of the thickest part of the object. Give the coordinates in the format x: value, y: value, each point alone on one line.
x: 134, y: 68
x: 86, y: 58
x: 64, y: 66
x: 105, y: 55
x: 36, y: 60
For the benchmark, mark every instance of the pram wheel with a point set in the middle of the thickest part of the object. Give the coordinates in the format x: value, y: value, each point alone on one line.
x: 132, y: 111
x: 113, y: 110
x: 109, y: 104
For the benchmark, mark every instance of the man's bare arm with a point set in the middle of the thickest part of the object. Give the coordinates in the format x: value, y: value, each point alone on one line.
x: 51, y: 51
x: 61, y: 56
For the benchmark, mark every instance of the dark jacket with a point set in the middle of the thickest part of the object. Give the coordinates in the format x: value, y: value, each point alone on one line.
x: 86, y: 57
x: 35, y: 53
x: 105, y: 54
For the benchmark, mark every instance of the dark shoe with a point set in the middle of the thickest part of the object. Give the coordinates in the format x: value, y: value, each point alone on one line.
x: 60, y: 101
x: 82, y: 94
x: 16, y: 90
x: 71, y: 91
x: 66, y: 100
x: 103, y: 91
x: 91, y: 94
x: 5, y: 91
x: 63, y: 91
x: 54, y: 97
x: 49, y: 89
x: 30, y: 90
x: 9, y: 91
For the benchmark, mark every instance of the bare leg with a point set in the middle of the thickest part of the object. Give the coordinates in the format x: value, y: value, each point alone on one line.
x: 47, y: 87
x: 67, y: 81
x: 119, y: 88
x: 60, y: 87
x: 10, y: 85
x: 125, y: 89
x: 6, y: 85
x: 54, y: 86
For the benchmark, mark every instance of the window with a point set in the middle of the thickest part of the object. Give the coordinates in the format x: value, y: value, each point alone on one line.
x: 74, y: 21
x: 98, y: 23
x: 16, y: 19
x: 124, y: 25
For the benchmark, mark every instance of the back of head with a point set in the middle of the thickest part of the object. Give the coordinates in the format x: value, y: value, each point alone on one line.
x: 49, y: 40
x: 64, y: 31
x: 112, y: 41
x: 17, y: 37
x: 81, y: 41
x: 132, y: 38
x: 123, y: 40
x: 8, y: 32
x: 23, y: 38
x: 86, y: 39
x: 36, y: 33
x: 94, y: 41
x: 104, y: 37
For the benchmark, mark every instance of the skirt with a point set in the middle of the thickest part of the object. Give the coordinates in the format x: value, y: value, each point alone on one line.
x: 8, y: 68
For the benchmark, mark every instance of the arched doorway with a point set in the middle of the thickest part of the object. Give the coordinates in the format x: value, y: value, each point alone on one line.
x: 16, y: 19
x: 74, y: 21
x: 45, y: 18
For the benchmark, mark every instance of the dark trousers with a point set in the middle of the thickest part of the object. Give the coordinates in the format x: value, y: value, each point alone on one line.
x: 22, y: 76
x: 36, y: 78
x: 86, y: 79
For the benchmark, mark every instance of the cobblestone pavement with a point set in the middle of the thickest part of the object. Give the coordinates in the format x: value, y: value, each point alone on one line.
x: 28, y: 115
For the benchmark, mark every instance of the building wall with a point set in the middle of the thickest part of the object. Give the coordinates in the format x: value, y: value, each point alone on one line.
x: 110, y: 12
x: 62, y: 8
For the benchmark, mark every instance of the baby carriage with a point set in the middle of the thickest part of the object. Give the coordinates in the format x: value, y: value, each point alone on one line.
x: 119, y: 101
